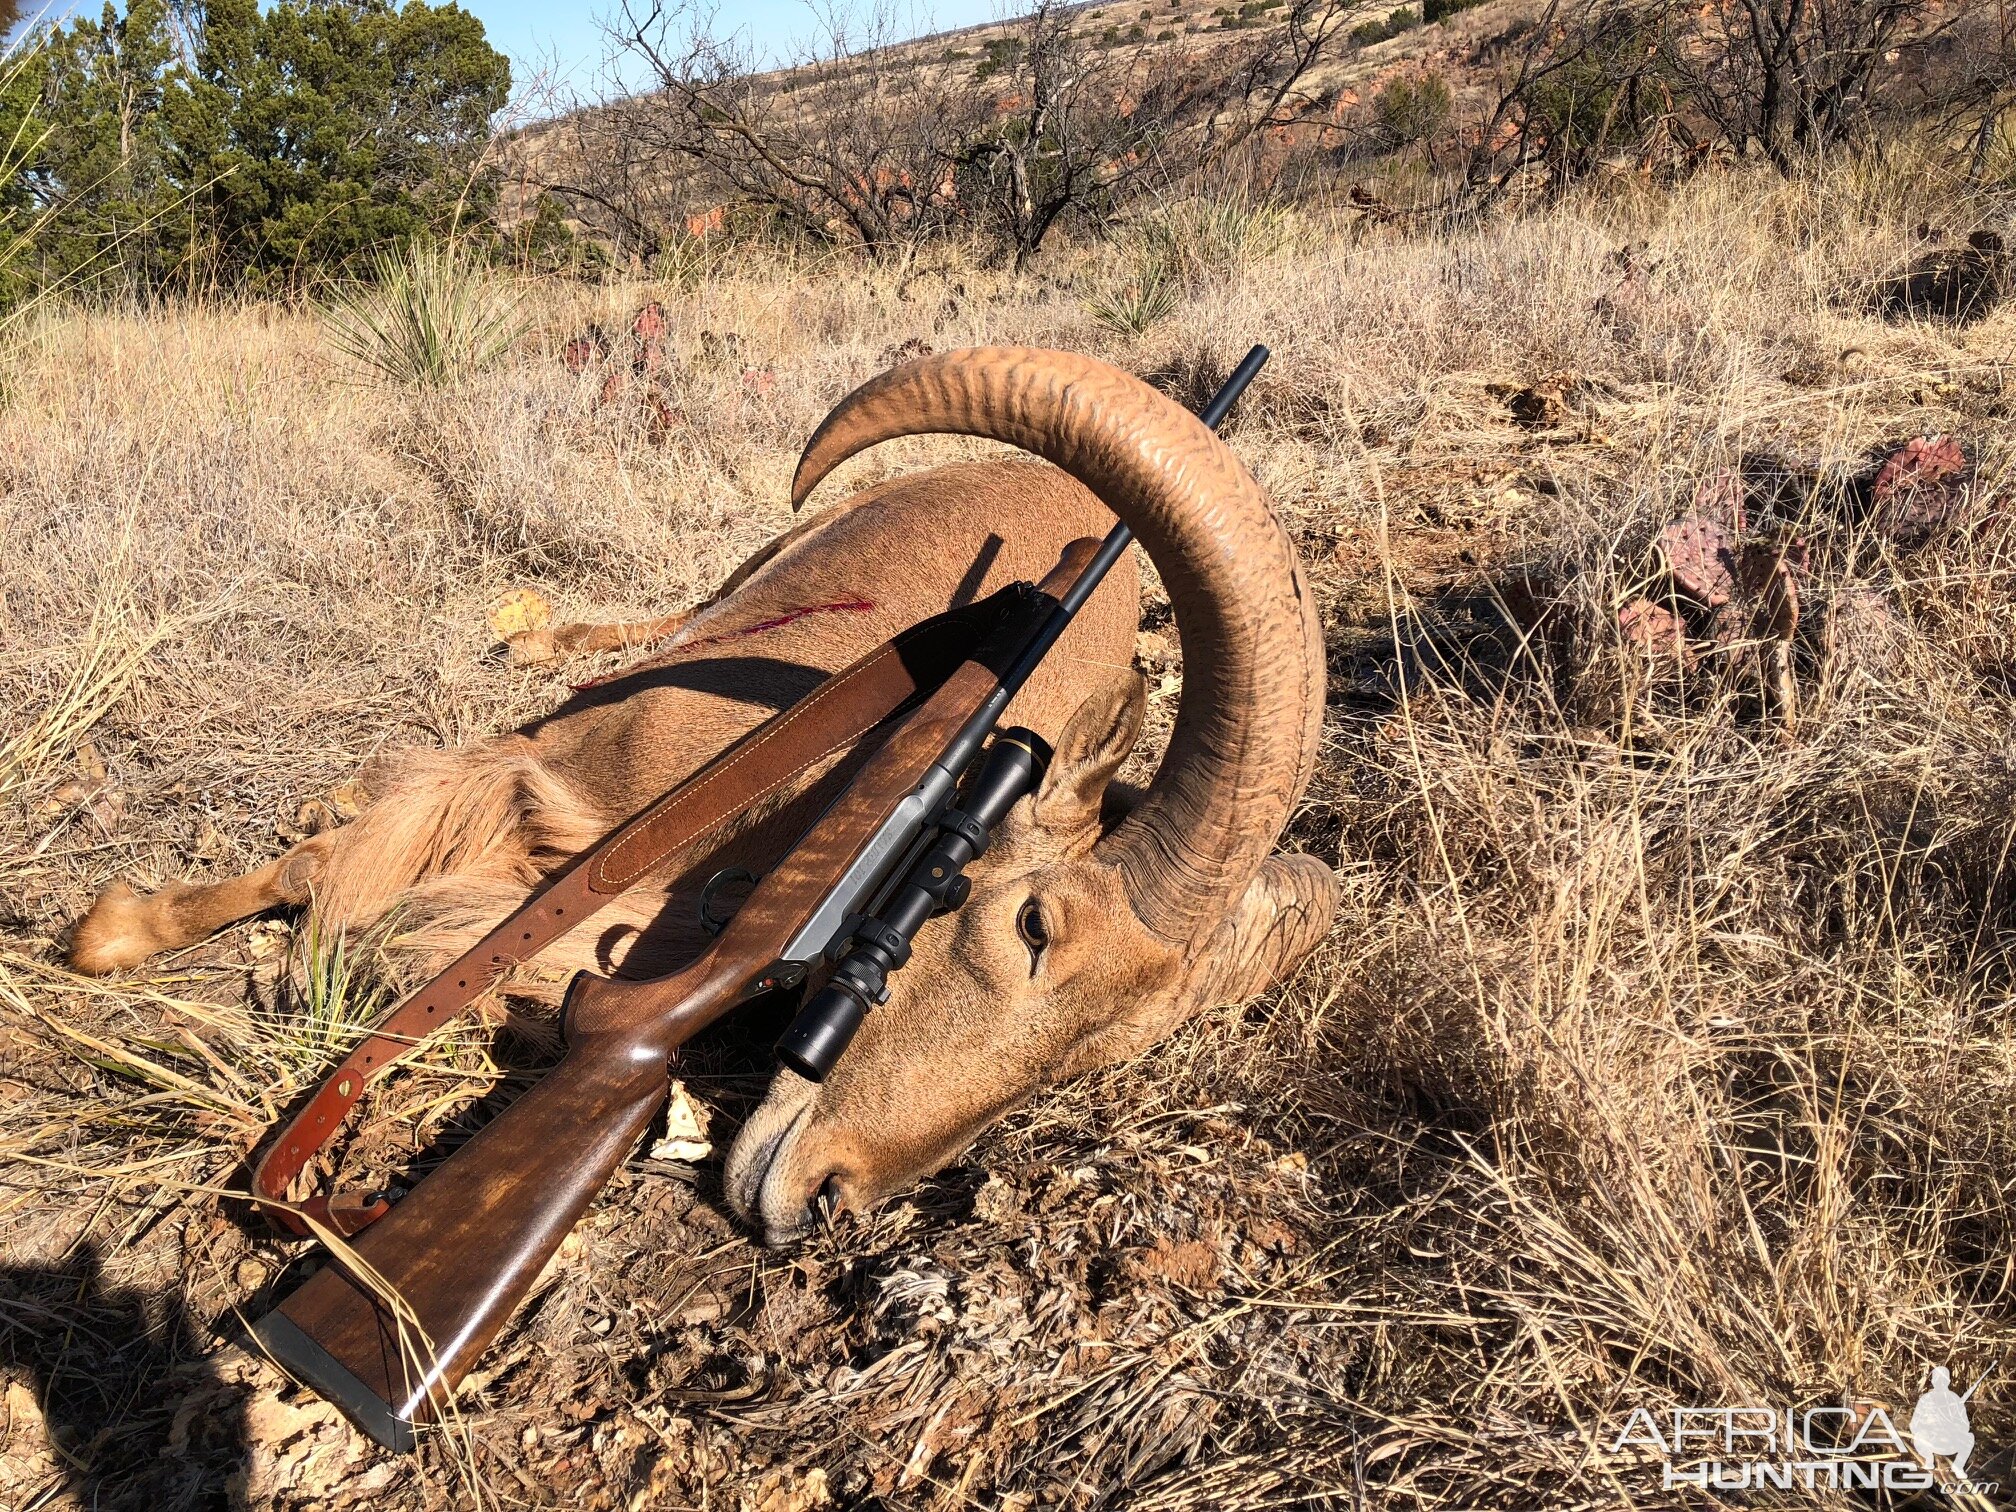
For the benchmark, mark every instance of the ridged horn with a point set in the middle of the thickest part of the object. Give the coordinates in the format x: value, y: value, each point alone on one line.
x: 1246, y: 731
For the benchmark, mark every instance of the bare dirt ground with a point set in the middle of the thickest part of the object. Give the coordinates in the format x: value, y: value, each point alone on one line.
x: 1661, y: 1055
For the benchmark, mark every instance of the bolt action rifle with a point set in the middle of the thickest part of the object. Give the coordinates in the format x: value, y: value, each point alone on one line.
x: 419, y: 1289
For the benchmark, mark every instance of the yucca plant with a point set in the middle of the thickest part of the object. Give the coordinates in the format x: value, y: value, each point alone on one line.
x: 1213, y: 235
x: 428, y: 316
x: 1141, y: 295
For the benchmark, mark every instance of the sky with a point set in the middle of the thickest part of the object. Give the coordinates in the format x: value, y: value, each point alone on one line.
x: 540, y: 35
x: 564, y: 43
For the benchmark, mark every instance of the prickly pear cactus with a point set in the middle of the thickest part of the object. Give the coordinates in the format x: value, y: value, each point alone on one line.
x: 1655, y: 628
x: 1700, y: 557
x: 1920, y: 488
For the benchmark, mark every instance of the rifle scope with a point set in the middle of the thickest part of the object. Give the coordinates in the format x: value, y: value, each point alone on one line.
x: 936, y: 884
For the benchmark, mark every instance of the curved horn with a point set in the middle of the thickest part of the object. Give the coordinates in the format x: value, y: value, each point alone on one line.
x: 1246, y: 731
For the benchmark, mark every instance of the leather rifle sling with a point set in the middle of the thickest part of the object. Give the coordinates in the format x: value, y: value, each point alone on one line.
x: 835, y: 715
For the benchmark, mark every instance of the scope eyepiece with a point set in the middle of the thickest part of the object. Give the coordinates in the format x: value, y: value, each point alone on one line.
x: 821, y: 1032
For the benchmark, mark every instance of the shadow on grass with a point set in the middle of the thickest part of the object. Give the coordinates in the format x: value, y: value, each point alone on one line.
x: 135, y: 1413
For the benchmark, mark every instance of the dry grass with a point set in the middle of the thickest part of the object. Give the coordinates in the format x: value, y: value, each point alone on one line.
x: 1656, y: 1059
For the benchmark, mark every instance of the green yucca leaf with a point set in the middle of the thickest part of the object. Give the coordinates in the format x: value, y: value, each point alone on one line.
x: 1139, y: 298
x: 428, y: 317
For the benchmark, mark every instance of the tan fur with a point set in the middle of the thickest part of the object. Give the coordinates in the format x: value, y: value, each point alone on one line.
x: 1174, y: 906
x: 974, y: 1024
x: 123, y: 929
x: 459, y: 836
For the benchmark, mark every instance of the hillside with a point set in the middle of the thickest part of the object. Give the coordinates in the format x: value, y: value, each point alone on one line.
x: 845, y: 112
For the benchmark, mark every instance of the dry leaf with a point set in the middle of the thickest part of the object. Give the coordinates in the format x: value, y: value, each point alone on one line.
x: 519, y: 611
x: 685, y: 1136
x: 66, y: 797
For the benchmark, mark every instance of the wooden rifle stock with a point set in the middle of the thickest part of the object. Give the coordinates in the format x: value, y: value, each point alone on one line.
x: 389, y: 1332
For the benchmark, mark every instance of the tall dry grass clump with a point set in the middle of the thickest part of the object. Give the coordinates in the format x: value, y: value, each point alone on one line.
x: 1660, y: 1057
x: 1173, y: 249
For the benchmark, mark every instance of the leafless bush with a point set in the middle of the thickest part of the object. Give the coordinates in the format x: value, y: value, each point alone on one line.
x: 1980, y: 91
x: 847, y: 144
x: 1066, y: 131
x: 1781, y: 76
x: 865, y: 143
x: 1596, y: 81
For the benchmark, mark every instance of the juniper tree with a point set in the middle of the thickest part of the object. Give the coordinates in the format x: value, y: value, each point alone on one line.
x: 220, y: 144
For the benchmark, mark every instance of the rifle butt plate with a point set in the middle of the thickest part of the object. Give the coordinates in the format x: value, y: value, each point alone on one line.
x: 312, y: 1365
